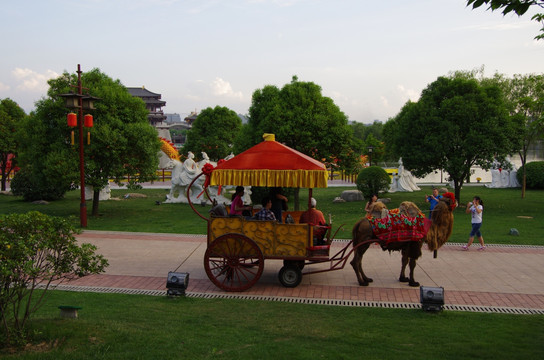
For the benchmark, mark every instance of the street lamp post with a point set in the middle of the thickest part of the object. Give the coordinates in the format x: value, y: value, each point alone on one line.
x: 370, y: 149
x: 80, y: 102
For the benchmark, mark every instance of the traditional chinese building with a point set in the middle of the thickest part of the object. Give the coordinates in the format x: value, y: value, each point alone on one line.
x: 153, y: 103
x: 191, y: 118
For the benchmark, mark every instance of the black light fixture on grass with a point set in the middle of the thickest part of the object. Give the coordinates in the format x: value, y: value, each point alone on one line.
x: 432, y: 298
x: 177, y: 283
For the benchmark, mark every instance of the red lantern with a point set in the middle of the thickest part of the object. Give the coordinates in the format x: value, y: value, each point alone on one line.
x: 88, y: 120
x: 72, y: 119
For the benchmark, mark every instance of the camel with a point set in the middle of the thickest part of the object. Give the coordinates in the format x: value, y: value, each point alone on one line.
x: 436, y: 236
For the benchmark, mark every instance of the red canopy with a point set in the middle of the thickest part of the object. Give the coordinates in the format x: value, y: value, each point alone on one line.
x: 271, y: 164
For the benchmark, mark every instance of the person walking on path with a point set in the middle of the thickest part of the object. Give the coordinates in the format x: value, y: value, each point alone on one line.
x: 476, y: 209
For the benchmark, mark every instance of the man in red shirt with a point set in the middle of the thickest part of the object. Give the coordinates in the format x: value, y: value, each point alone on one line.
x: 315, y: 217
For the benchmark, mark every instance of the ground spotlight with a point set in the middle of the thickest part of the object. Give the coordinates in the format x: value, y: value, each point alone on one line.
x: 177, y: 283
x: 432, y: 298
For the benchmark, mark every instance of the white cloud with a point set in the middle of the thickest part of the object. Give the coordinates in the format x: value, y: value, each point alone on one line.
x: 29, y: 80
x: 221, y: 87
x: 408, y: 94
x: 4, y: 87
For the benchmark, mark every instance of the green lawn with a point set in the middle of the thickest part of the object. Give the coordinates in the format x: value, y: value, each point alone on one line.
x: 504, y: 209
x: 116, y: 326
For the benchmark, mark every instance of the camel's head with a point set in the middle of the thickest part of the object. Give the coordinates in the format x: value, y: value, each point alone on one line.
x: 378, y: 210
x: 449, y: 199
x: 409, y: 209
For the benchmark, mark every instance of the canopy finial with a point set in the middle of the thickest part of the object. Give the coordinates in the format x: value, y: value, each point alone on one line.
x: 269, y: 137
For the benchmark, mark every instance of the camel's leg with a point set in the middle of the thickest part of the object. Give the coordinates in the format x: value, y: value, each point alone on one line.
x: 405, y: 260
x: 412, y: 281
x: 357, y: 264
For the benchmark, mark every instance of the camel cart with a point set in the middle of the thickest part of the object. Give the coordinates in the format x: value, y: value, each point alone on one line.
x: 237, y: 248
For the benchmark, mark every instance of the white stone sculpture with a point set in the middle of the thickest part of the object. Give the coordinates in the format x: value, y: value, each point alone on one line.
x: 183, y: 174
x: 406, y: 181
x: 205, y: 160
x: 105, y: 193
x: 505, y: 178
x: 501, y: 178
x: 495, y: 178
x: 514, y: 177
x: 394, y: 184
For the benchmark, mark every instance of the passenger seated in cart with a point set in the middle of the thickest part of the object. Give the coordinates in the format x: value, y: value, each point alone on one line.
x: 279, y: 202
x: 265, y: 213
x: 237, y: 207
x: 315, y: 217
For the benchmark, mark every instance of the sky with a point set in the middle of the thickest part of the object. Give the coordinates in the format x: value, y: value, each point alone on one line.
x: 370, y: 57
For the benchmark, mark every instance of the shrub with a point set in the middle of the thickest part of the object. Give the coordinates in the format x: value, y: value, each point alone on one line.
x: 535, y: 175
x: 31, y: 187
x: 372, y: 180
x: 36, y: 249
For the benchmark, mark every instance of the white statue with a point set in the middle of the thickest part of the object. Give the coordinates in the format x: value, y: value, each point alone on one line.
x: 406, y: 180
x: 182, y: 175
x: 205, y: 160
x: 514, y: 177
x: 105, y: 193
x: 505, y: 178
x: 502, y: 178
x: 394, y: 184
x: 495, y: 178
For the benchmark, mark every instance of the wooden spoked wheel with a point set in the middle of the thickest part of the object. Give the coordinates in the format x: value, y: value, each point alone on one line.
x: 233, y: 262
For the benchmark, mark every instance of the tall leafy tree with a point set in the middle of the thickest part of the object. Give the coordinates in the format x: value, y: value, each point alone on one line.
x: 456, y: 124
x: 366, y: 135
x: 519, y: 7
x: 123, y: 143
x: 525, y: 100
x: 213, y: 132
x: 11, y: 116
x: 303, y: 119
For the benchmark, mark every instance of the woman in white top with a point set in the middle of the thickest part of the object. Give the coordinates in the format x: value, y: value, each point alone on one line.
x: 476, y: 209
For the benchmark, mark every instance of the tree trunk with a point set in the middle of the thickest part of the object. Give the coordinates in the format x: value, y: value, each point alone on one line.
x: 523, y: 183
x: 457, y: 185
x: 297, y: 199
x: 4, y: 175
x: 96, y: 201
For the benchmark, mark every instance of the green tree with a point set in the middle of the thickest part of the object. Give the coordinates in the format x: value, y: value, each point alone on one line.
x: 373, y: 180
x: 525, y: 101
x: 365, y: 135
x: 303, y: 119
x: 519, y: 7
x: 37, y: 249
x: 123, y: 143
x: 456, y: 124
x: 213, y: 132
x: 11, y: 116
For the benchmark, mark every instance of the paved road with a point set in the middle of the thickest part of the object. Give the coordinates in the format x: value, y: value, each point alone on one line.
x: 501, y: 276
